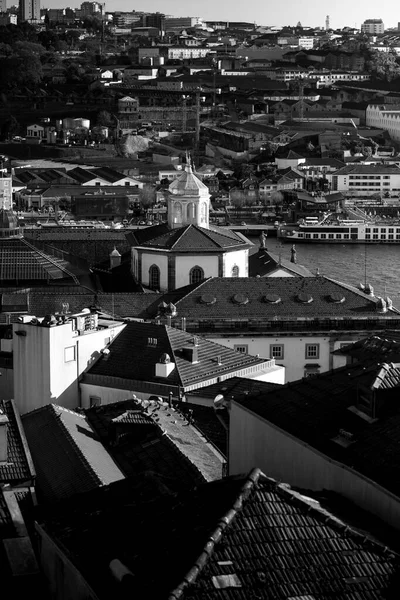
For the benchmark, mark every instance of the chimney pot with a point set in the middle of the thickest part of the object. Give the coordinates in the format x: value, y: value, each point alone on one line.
x: 3, y: 436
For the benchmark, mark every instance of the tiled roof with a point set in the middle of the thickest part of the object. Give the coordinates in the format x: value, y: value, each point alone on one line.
x: 69, y: 457
x: 19, y: 466
x: 42, y: 302
x: 238, y: 538
x: 187, y: 184
x: 368, y: 169
x: 374, y: 347
x: 136, y: 350
x: 157, y: 439
x: 190, y: 238
x: 22, y: 261
x: 299, y: 298
x: 262, y: 263
x: 316, y: 409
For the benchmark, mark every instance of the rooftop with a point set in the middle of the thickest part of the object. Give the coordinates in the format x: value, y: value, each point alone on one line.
x: 318, y: 409
x: 153, y: 437
x: 263, y: 263
x: 240, y: 537
x: 19, y: 467
x: 68, y: 455
x: 148, y: 343
x: 266, y: 298
x: 189, y: 238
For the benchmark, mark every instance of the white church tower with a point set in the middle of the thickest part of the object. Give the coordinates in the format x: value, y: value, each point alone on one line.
x: 189, y: 200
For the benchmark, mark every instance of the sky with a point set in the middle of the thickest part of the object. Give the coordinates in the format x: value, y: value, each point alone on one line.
x: 263, y: 12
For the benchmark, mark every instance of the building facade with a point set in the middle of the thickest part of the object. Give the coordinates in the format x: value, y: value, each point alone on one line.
x: 29, y: 10
x: 373, y: 27
x: 384, y: 116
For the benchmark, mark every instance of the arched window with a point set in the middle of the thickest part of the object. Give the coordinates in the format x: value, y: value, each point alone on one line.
x: 192, y: 210
x: 204, y: 212
x: 154, y: 277
x: 196, y: 274
x: 235, y: 271
x: 178, y: 212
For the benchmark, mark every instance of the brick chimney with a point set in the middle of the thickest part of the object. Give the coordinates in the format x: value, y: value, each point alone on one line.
x: 3, y: 435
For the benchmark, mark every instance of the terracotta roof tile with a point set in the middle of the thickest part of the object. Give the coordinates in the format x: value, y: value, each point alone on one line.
x: 233, y: 539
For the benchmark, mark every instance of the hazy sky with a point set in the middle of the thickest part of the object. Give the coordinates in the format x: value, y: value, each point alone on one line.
x: 263, y: 12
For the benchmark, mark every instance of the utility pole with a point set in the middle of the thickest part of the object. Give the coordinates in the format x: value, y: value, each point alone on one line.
x: 184, y: 114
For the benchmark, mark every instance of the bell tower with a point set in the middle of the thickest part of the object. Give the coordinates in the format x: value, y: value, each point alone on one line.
x: 189, y: 200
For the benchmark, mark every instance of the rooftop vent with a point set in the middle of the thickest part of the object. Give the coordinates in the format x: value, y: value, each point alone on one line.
x: 304, y: 298
x: 240, y: 299
x: 208, y: 299
x: 272, y: 299
x: 336, y: 298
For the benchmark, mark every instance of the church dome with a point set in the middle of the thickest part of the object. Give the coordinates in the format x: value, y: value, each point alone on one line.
x: 188, y: 184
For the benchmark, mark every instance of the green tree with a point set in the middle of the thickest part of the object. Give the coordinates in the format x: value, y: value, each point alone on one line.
x: 147, y: 197
x: 10, y: 128
x: 384, y: 66
x: 105, y: 118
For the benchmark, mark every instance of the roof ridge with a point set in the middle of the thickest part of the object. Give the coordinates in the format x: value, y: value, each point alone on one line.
x: 73, y: 443
x: 354, y: 289
x: 182, y: 233
x: 198, y: 286
x: 224, y: 522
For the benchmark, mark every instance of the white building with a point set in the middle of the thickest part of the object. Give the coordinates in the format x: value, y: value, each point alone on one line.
x: 384, y: 116
x: 187, y: 249
x: 373, y: 26
x: 182, y: 52
x: 365, y: 180
x: 306, y: 42
x: 35, y: 131
x: 50, y: 355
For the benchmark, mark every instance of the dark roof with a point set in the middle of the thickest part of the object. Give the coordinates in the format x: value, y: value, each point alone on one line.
x: 241, y: 537
x: 385, y: 346
x: 219, y: 298
x: 190, y: 238
x: 19, y: 466
x: 68, y: 455
x: 150, y: 436
x: 44, y: 301
x: 262, y: 263
x: 316, y: 409
x: 136, y: 350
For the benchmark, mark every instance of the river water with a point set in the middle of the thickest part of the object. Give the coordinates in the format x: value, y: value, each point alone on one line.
x: 378, y: 265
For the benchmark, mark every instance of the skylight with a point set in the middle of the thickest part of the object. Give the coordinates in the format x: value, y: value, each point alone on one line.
x: 304, y: 298
x: 272, y: 299
x: 240, y: 299
x: 336, y: 298
x: 208, y: 299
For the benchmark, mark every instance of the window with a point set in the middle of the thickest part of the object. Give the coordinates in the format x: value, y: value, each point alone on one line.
x: 243, y: 348
x: 276, y: 351
x: 196, y: 274
x: 312, y: 350
x: 235, y: 271
x: 69, y: 354
x: 154, y: 277
x: 94, y: 401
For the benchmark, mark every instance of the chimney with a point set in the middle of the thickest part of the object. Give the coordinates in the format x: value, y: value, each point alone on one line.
x: 115, y: 258
x: 3, y: 435
x: 191, y: 353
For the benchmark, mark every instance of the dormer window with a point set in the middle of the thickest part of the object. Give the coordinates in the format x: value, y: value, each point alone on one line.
x: 152, y: 341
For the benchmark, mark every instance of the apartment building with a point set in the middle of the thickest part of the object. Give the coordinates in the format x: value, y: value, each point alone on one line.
x: 373, y: 26
x: 365, y: 180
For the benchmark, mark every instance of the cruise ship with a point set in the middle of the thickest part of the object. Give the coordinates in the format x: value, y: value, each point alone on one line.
x: 331, y: 228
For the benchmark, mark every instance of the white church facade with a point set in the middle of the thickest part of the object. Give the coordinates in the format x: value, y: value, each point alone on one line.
x: 187, y: 248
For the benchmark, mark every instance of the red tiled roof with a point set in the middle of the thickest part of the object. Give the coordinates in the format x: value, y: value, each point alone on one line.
x: 238, y: 538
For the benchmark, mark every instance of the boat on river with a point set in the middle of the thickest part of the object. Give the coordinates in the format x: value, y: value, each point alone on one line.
x: 333, y: 228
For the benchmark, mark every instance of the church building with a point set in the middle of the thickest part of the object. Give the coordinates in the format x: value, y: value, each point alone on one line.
x: 187, y: 248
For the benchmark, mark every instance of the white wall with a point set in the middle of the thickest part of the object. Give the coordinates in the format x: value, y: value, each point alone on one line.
x: 253, y: 442
x: 294, y: 358
x: 183, y: 265
x: 41, y: 372
x: 161, y: 260
x: 239, y: 258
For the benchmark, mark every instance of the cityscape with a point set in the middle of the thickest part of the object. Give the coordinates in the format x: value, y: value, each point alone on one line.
x: 199, y: 303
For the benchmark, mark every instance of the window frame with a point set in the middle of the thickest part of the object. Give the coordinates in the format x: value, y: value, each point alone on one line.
x: 238, y: 347
x: 271, y: 352
x: 307, y: 349
x: 68, y: 360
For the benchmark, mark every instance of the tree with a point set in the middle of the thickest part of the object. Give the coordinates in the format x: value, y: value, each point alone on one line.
x: 105, y: 118
x: 238, y: 199
x: 277, y: 199
x: 10, y: 128
x: 384, y: 66
x: 147, y: 197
